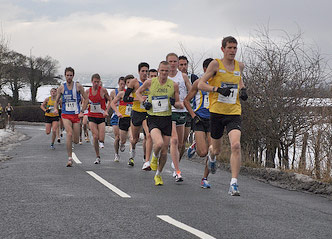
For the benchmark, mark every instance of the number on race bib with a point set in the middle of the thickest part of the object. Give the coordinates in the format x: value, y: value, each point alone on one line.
x: 95, y: 108
x: 206, y: 101
x: 160, y: 104
x: 71, y: 106
x: 231, y: 99
x: 129, y: 109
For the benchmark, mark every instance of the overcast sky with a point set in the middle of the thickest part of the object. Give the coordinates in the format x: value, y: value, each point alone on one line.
x: 112, y: 37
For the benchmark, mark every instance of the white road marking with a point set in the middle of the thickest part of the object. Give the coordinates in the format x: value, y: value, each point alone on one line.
x: 76, y: 160
x: 107, y: 184
x: 185, y: 227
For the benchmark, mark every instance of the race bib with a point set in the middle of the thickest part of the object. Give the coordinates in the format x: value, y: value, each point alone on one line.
x: 95, y: 108
x: 129, y: 108
x: 206, y: 101
x: 71, y: 106
x: 51, y: 108
x: 231, y: 99
x: 160, y: 104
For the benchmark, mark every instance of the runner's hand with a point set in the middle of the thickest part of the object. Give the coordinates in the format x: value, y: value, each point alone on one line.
x: 172, y: 101
x: 243, y: 94
x: 197, y: 119
x: 225, y: 91
x: 48, y: 111
x: 147, y: 105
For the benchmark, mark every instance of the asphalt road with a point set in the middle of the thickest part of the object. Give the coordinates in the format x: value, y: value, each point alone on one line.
x: 41, y: 198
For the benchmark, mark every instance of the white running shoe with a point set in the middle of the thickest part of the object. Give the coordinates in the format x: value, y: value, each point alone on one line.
x: 97, y: 161
x: 174, y: 174
x: 122, y: 147
x: 146, y: 166
x: 117, y: 158
x: 101, y: 145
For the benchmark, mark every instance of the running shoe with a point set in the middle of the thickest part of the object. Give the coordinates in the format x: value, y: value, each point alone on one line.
x: 131, y: 162
x: 59, y: 140
x: 52, y: 146
x: 97, y: 160
x: 116, y: 158
x: 154, y: 163
x: 87, y: 139
x: 178, y: 177
x: 191, y: 150
x: 122, y: 147
x: 69, y: 163
x: 146, y: 166
x: 80, y: 142
x: 158, y: 180
x: 234, y: 190
x: 101, y: 145
x: 212, y: 166
x: 205, y: 183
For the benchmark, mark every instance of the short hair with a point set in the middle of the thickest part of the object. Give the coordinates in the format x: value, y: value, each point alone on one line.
x: 206, y: 62
x: 97, y: 76
x: 183, y: 58
x: 121, y: 78
x: 153, y: 70
x: 228, y: 39
x: 70, y: 69
x: 165, y: 63
x: 128, y: 77
x: 171, y: 54
x: 143, y: 64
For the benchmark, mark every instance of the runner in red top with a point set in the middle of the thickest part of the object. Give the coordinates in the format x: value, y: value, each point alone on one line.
x: 97, y: 113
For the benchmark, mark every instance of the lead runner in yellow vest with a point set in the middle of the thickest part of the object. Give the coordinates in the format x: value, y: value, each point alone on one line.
x: 163, y: 93
x: 224, y: 77
x: 51, y: 118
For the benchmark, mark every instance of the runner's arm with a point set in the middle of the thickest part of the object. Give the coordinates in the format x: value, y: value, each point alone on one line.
x: 58, y: 96
x: 108, y: 98
x: 115, y: 101
x: 43, y: 105
x: 210, y: 72
x: 131, y: 88
x: 178, y: 104
x: 146, y: 85
x: 187, y: 82
x: 85, y: 97
x: 188, y: 98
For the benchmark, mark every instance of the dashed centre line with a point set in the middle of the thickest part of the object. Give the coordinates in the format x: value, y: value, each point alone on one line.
x: 185, y: 227
x: 108, y: 185
x: 76, y: 160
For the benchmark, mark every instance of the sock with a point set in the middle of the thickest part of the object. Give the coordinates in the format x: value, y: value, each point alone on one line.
x: 70, y: 158
x: 132, y: 153
x: 156, y: 156
x: 233, y: 180
x: 178, y: 172
x: 211, y: 159
x: 157, y: 172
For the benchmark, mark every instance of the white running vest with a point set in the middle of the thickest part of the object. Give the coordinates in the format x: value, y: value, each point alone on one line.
x: 178, y: 78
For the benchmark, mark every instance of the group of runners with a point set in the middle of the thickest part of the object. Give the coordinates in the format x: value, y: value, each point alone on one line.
x: 164, y: 104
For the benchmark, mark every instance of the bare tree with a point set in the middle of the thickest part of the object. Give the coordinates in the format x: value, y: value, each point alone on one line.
x: 194, y: 60
x: 15, y: 73
x: 42, y: 71
x: 281, y: 75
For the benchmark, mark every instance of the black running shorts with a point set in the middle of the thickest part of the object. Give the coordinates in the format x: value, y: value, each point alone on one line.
x: 137, y: 118
x: 163, y: 123
x: 203, y: 125
x: 49, y: 119
x: 96, y: 120
x: 124, y: 123
x: 218, y: 122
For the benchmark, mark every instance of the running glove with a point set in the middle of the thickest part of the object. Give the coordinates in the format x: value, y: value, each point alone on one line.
x: 172, y: 101
x: 225, y: 91
x: 197, y: 119
x: 243, y: 94
x: 147, y: 105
